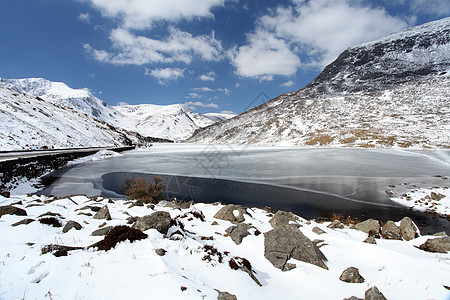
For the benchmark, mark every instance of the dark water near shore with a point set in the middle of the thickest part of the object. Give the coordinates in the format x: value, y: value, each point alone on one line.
x: 310, y: 182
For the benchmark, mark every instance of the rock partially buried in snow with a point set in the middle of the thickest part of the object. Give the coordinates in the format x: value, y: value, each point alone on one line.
x: 232, y: 213
x: 23, y: 222
x: 374, y: 294
x: 286, y: 241
x: 159, y: 220
x: 226, y: 296
x: 119, y: 234
x: 370, y: 240
x: 12, y: 210
x: 103, y: 213
x: 391, y: 231
x: 317, y: 230
x: 238, y: 232
x: 282, y: 218
x: 438, y: 245
x: 408, y: 229
x: 351, y: 275
x: 369, y: 226
x: 336, y: 224
x: 102, y: 231
x: 71, y: 224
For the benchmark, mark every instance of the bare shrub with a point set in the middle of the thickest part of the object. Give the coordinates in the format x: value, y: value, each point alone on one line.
x: 148, y: 192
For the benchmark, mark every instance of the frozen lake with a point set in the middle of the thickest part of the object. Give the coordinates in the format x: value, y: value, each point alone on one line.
x: 311, y: 182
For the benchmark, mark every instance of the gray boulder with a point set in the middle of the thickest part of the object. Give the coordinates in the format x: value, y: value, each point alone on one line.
x: 71, y: 224
x: 391, y: 231
x: 286, y: 241
x: 408, y: 229
x: 102, y: 231
x: 370, y: 240
x: 159, y: 220
x: 232, y: 213
x: 336, y: 224
x: 226, y: 296
x: 103, y: 213
x: 317, y: 230
x: 438, y: 245
x: 374, y: 294
x: 282, y: 218
x: 351, y: 275
x: 369, y: 226
x: 12, y: 210
x: 238, y: 232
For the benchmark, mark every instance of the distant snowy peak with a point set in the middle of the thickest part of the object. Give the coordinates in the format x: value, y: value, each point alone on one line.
x: 81, y: 100
x: 416, y: 54
x: 218, y: 117
x: 175, y: 122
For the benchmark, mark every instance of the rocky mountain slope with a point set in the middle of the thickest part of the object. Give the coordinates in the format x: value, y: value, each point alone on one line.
x: 32, y: 123
x: 393, y: 92
x: 172, y: 122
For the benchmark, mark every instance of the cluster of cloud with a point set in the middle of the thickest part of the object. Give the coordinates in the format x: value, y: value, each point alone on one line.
x: 301, y: 34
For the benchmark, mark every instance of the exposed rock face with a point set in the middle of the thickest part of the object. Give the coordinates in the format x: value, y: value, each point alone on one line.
x: 159, y: 220
x: 439, y: 245
x: 282, y: 218
x: 369, y: 226
x: 232, y: 213
x: 408, y: 229
x: 391, y: 231
x: 374, y: 294
x: 103, y: 213
x: 286, y: 241
x: 351, y: 275
x: 238, y: 232
x: 12, y: 210
x: 71, y: 224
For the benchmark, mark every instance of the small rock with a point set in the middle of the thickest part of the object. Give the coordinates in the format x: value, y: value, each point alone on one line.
x: 160, y: 251
x: 179, y: 204
x: 226, y: 296
x: 391, y: 231
x: 102, y: 231
x: 103, y: 213
x: 389, y: 192
x: 282, y: 218
x: 71, y: 224
x: 438, y: 245
x: 353, y: 298
x: 286, y: 241
x: 159, y: 220
x: 408, y: 229
x: 137, y: 203
x: 336, y: 224
x: 50, y: 214
x: 12, y: 210
x: 436, y: 196
x: 369, y: 226
x: 239, y: 263
x: 58, y: 250
x: 214, y: 223
x: 317, y: 230
x: 370, y: 240
x: 442, y: 233
x: 351, y: 275
x: 238, y: 232
x: 232, y: 213
x: 374, y: 294
x: 23, y: 222
x: 50, y: 221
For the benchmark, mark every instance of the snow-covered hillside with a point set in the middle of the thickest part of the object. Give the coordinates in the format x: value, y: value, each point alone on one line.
x: 394, y: 92
x: 174, y: 122
x: 32, y: 123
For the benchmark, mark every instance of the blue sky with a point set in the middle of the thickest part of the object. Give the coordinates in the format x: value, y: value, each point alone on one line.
x: 215, y: 55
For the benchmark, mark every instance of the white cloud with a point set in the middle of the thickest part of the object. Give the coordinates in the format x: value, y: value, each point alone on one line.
x: 201, y: 104
x: 315, y: 30
x: 431, y: 7
x: 121, y: 103
x: 165, y: 75
x: 141, y: 14
x: 288, y: 83
x: 84, y: 17
x: 228, y: 112
x: 194, y: 96
x: 210, y: 76
x: 264, y: 56
x: 207, y: 90
x: 179, y: 46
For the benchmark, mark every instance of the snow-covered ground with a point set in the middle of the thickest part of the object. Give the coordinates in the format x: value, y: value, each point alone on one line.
x: 434, y: 200
x: 135, y: 271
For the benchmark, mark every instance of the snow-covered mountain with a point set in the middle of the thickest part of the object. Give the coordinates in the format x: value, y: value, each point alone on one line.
x: 172, y: 122
x: 393, y: 92
x: 32, y: 123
